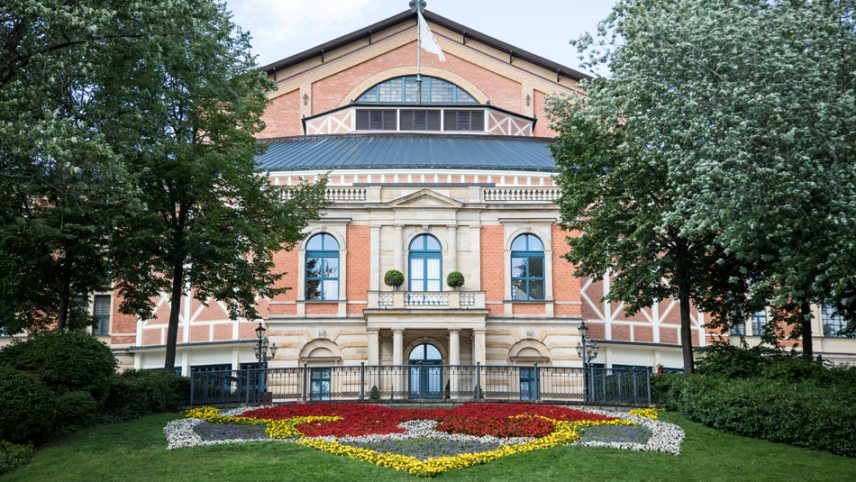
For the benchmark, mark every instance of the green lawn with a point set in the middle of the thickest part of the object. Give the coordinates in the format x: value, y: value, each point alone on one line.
x: 136, y: 451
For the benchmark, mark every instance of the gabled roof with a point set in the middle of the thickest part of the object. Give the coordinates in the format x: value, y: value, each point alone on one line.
x: 467, y: 32
x: 410, y: 151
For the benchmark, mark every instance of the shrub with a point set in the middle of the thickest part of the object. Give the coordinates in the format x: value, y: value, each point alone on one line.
x: 663, y: 389
x: 393, y: 278
x: 455, y: 279
x: 137, y: 393
x: 27, y: 407
x: 64, y: 360
x: 804, y: 413
x: 374, y: 394
x: 75, y: 410
x: 13, y: 456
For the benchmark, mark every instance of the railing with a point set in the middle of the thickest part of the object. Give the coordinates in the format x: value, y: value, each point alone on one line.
x: 521, y: 194
x: 336, y: 194
x: 426, y: 300
x: 421, y: 382
x: 346, y: 194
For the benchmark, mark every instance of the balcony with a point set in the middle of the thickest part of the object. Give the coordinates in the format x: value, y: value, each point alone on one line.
x: 426, y: 300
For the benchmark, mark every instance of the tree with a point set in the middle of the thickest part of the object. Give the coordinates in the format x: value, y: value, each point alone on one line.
x: 620, y: 199
x: 211, y: 222
x: 749, y: 108
x: 62, y: 185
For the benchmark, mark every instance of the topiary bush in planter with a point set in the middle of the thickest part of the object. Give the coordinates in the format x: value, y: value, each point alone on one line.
x: 455, y: 279
x: 393, y: 278
x: 374, y: 394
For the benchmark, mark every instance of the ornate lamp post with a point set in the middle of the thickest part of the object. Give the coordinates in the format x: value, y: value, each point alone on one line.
x: 587, y: 350
x: 263, y: 347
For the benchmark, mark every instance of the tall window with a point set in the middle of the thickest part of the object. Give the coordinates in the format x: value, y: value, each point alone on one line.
x: 425, y: 261
x: 322, y: 268
x: 101, y: 312
x: 527, y: 268
x: 833, y: 322
x: 404, y: 90
x: 759, y: 321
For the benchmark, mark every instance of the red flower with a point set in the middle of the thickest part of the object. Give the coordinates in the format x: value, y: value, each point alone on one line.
x: 470, y: 418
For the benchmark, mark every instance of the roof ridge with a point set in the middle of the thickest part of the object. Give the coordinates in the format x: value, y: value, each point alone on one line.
x: 438, y: 19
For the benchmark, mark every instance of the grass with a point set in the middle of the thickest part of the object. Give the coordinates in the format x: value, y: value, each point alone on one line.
x: 135, y: 451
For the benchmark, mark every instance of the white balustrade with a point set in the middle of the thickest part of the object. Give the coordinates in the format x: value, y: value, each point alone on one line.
x: 426, y: 299
x: 468, y: 299
x: 521, y: 194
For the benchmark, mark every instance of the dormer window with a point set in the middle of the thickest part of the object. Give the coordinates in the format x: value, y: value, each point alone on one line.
x: 405, y: 90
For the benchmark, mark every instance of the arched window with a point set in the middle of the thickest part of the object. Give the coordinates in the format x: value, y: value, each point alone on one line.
x: 404, y: 90
x: 527, y: 268
x: 425, y: 262
x: 322, y: 268
x: 425, y: 352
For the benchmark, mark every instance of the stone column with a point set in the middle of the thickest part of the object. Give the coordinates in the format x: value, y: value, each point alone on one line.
x: 454, y: 360
x: 398, y: 361
x: 399, y: 249
x: 374, y: 347
x: 453, y: 248
x: 478, y: 347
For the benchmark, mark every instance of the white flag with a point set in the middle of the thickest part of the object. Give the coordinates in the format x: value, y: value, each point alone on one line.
x: 427, y: 40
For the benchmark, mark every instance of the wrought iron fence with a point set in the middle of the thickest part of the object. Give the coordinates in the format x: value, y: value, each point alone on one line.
x: 421, y: 382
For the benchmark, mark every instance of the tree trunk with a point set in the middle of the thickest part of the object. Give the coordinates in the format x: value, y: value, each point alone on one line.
x: 805, y: 330
x: 64, y: 301
x: 686, y: 330
x: 175, y: 308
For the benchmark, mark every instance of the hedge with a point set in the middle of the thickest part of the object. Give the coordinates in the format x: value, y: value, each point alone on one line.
x: 13, y: 456
x: 137, y: 393
x: 64, y: 360
x: 27, y: 407
x: 807, y: 413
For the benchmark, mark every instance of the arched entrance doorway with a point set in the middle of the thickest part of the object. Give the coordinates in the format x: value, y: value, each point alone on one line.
x: 425, y: 372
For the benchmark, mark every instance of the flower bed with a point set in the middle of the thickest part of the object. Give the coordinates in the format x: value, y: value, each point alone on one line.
x: 426, y: 441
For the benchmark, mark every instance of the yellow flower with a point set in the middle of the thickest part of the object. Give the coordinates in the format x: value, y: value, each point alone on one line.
x: 651, y: 413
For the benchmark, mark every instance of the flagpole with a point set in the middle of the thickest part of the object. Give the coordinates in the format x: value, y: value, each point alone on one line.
x: 418, y: 54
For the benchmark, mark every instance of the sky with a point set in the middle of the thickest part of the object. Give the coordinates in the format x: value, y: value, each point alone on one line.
x: 281, y: 28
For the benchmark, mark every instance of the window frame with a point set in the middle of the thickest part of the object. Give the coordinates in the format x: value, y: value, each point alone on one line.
x: 372, y: 95
x: 528, y: 254
x: 424, y: 255
x: 835, y: 321
x: 323, y: 254
x: 104, y: 319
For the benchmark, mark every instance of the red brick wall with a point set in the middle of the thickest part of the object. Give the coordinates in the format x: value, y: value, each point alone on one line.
x: 322, y: 308
x: 359, y: 262
x: 528, y: 308
x: 566, y: 286
x: 282, y: 117
x: 542, y: 127
x: 286, y: 261
x: 329, y: 92
x: 493, y: 271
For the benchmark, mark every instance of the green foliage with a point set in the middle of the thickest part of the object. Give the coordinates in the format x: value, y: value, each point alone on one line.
x: 75, y: 410
x: 71, y: 360
x: 700, y: 99
x: 805, y: 413
x: 393, y: 278
x: 137, y: 393
x: 27, y: 407
x: 211, y: 221
x: 447, y: 391
x: 13, y: 456
x: 455, y: 279
x: 374, y: 393
x: 63, y: 185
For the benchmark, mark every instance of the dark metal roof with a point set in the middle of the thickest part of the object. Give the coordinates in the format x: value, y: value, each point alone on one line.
x: 406, y: 151
x: 467, y: 32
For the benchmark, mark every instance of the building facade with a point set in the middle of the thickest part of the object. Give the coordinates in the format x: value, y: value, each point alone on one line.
x: 448, y: 174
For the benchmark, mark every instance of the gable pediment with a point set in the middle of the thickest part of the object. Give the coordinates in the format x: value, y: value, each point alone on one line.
x: 426, y: 198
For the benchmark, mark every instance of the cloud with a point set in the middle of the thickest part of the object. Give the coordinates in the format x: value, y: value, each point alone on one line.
x: 284, y: 27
